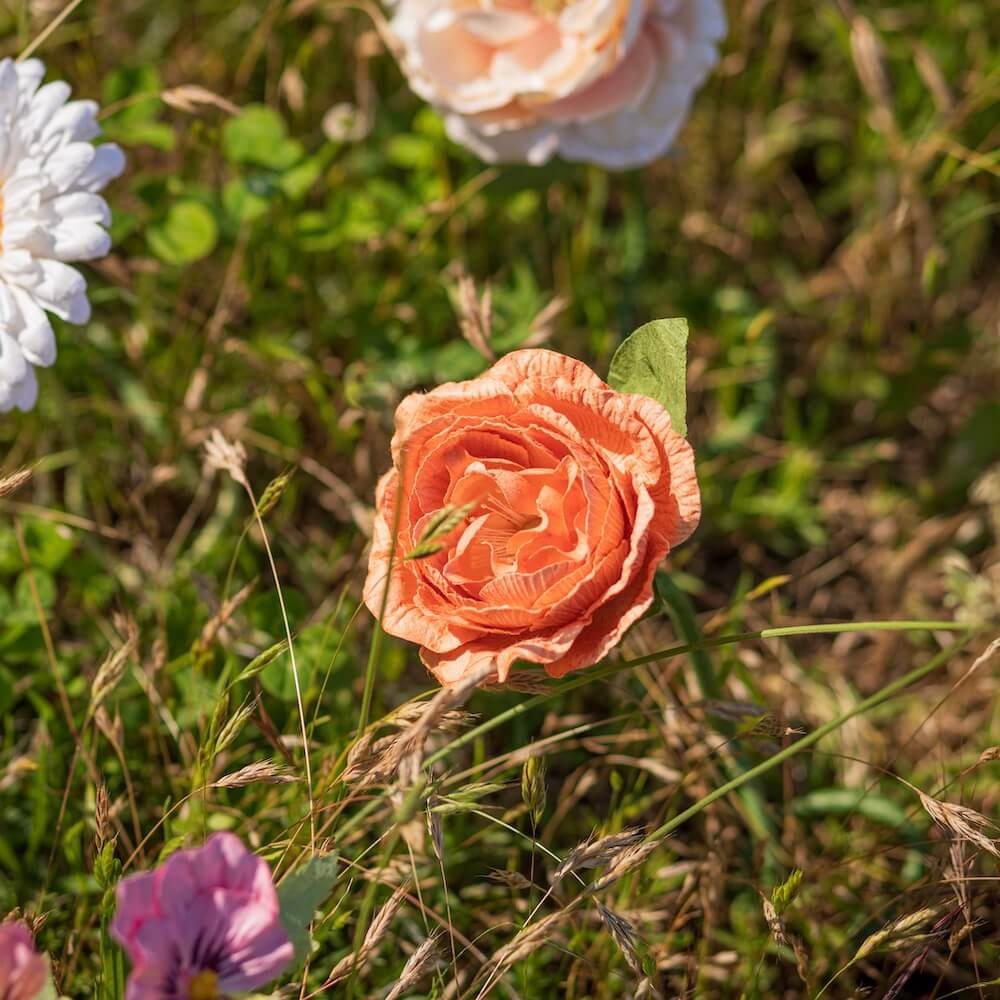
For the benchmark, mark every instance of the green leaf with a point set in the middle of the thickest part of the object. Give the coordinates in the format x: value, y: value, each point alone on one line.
x: 653, y: 362
x: 188, y: 233
x: 257, y: 135
x: 301, y: 894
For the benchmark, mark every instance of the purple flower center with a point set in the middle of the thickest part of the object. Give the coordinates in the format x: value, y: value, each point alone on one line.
x: 196, y: 976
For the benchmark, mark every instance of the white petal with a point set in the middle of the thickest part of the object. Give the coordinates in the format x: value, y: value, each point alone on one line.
x: 46, y: 103
x: 38, y: 342
x: 108, y: 163
x: 28, y: 234
x: 26, y: 391
x: 80, y: 241
x: 68, y: 164
x: 30, y: 74
x: 13, y: 366
x: 75, y: 122
x: 8, y: 87
x: 82, y: 206
x: 62, y: 290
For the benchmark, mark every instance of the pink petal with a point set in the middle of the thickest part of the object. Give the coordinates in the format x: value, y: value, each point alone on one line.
x: 626, y: 85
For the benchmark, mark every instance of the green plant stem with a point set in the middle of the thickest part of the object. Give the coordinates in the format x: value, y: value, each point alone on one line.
x: 879, y: 698
x: 609, y: 671
x: 733, y: 760
x: 602, y: 673
x: 375, y: 650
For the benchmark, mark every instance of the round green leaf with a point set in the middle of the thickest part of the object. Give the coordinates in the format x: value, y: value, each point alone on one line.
x: 257, y: 136
x: 188, y: 233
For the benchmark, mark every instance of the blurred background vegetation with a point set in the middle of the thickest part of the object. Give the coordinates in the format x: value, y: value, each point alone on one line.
x: 288, y: 242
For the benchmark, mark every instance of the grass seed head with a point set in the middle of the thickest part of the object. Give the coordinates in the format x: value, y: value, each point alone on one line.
x: 11, y: 483
x: 533, y: 787
x: 963, y: 823
x: 258, y: 773
x: 423, y: 961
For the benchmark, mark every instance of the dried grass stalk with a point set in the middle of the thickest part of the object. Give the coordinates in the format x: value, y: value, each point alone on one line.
x: 111, y: 671
x: 373, y: 938
x: 962, y: 822
x: 12, y: 483
x: 418, y: 965
x: 258, y: 773
x: 596, y: 853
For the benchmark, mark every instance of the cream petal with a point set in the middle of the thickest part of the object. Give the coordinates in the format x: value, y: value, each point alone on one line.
x: 499, y: 27
x: 626, y: 85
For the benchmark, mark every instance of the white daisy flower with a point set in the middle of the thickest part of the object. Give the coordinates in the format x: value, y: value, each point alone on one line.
x: 50, y: 213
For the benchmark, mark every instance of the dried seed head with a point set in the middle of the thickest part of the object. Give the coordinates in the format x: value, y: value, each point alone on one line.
x: 111, y: 671
x: 596, y: 853
x: 222, y: 617
x: 513, y: 880
x: 377, y: 930
x: 102, y: 817
x: 11, y: 483
x: 410, y: 748
x: 526, y: 942
x: 774, y: 922
x: 869, y: 59
x: 258, y: 773
x: 624, y: 935
x: 627, y: 861
x: 898, y: 931
x: 541, y: 326
x: 526, y: 682
x: 222, y: 455
x: 190, y: 97
x: 646, y: 990
x: 418, y: 965
x: 475, y: 316
x: 962, y: 822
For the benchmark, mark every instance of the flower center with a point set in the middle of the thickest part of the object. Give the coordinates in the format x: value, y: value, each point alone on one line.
x: 204, y: 986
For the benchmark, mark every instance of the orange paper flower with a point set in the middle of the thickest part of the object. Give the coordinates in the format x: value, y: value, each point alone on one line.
x: 568, y: 496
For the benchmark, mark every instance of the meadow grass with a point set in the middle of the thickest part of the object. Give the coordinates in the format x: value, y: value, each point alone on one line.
x: 765, y: 793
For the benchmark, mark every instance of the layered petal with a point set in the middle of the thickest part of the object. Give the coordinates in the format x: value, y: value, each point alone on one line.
x: 213, y: 910
x: 50, y: 215
x: 572, y: 495
x: 604, y: 81
x: 23, y: 971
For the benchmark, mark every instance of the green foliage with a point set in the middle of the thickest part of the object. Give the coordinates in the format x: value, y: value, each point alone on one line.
x: 290, y: 283
x: 653, y: 362
x: 258, y: 137
x: 187, y: 233
x: 300, y: 895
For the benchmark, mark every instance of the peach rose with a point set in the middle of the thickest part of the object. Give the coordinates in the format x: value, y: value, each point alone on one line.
x: 572, y: 495
x: 602, y: 81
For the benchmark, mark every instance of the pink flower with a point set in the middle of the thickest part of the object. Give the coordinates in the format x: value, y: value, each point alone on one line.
x: 23, y: 972
x: 603, y: 81
x: 203, y: 925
